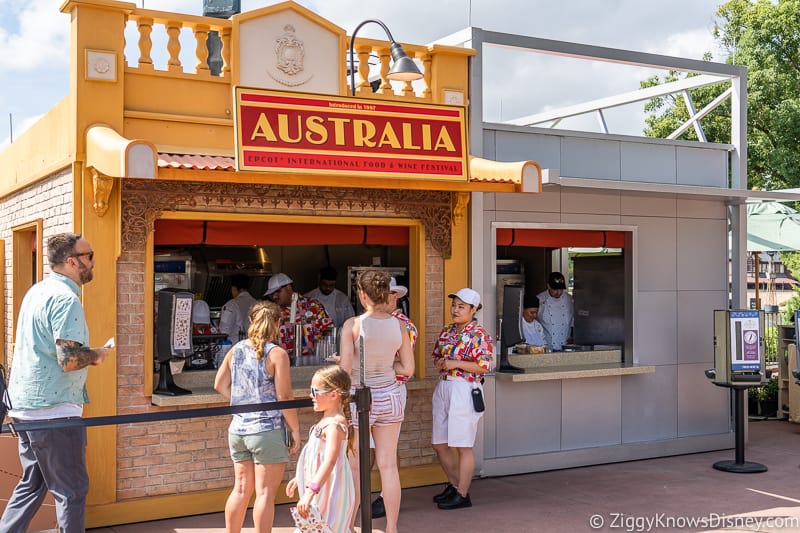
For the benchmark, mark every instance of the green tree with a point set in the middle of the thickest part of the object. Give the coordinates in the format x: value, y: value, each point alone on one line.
x: 668, y: 112
x: 764, y: 36
x: 791, y: 260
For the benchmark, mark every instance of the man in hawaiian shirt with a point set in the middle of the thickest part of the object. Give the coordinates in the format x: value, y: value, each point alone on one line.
x: 308, y: 312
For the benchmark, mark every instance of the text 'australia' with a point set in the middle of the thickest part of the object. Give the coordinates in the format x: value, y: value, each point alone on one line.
x: 346, y: 132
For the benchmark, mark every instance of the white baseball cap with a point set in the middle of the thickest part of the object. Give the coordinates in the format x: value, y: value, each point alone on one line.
x: 201, y: 314
x: 276, y: 282
x: 399, y: 289
x: 467, y: 295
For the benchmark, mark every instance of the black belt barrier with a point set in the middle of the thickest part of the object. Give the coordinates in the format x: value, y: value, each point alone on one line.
x: 363, y: 401
x: 59, y: 423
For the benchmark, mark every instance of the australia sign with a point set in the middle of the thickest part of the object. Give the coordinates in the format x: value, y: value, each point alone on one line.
x: 319, y: 134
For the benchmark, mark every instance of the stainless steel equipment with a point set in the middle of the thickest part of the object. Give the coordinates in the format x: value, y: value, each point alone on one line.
x: 174, y: 271
x: 204, y: 351
x: 509, y: 272
x: 399, y: 273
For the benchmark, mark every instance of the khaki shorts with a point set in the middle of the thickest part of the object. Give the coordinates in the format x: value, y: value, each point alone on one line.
x: 265, y: 448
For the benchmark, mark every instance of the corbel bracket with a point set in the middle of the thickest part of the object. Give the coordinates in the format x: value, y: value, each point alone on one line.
x: 458, y: 204
x: 101, y: 189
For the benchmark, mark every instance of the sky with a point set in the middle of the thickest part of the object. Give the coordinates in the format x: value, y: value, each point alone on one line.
x: 34, y: 47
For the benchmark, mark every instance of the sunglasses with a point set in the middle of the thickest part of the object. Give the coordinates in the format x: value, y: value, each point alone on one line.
x: 89, y: 254
x: 315, y: 391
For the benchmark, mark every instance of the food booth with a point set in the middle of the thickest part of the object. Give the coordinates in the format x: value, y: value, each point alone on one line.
x: 180, y: 177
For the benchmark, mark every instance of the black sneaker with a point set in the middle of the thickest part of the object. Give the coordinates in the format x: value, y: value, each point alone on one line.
x: 378, y: 509
x: 446, y: 494
x: 457, y: 501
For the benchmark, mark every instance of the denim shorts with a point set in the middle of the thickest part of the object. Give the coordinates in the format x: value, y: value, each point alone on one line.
x: 267, y: 447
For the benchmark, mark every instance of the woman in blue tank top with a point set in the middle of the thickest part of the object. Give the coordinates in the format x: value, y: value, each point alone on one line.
x: 256, y: 370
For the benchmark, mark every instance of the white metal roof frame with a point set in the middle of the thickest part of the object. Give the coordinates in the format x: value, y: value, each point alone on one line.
x: 735, y: 197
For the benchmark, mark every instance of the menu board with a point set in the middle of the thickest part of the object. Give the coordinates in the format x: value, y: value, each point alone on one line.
x: 745, y: 341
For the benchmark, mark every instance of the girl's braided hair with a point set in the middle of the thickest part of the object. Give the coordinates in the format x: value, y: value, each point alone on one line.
x: 336, y: 378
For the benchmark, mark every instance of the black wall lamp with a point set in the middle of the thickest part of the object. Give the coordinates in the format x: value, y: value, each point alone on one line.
x: 403, y: 69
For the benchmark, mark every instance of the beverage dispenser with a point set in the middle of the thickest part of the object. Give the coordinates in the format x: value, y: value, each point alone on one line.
x: 173, y: 336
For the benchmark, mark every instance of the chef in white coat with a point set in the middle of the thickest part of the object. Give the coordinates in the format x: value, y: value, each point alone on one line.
x: 233, y: 320
x: 556, y: 312
x: 532, y: 329
x: 335, y: 302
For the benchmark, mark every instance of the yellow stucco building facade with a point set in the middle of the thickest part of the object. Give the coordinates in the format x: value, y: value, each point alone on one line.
x: 138, y: 152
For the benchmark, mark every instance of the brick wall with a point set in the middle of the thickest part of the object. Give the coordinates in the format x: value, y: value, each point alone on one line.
x: 50, y: 200
x: 192, y: 455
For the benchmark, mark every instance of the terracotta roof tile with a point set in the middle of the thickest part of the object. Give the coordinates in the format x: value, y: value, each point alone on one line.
x: 217, y: 162
x: 490, y: 180
x: 196, y: 162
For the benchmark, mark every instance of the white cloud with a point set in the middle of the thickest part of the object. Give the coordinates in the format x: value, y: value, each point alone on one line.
x: 40, y: 36
x: 35, y: 38
x: 19, y: 129
x: 692, y: 44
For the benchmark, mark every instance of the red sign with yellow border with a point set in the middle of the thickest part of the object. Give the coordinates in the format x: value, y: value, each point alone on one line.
x: 320, y: 134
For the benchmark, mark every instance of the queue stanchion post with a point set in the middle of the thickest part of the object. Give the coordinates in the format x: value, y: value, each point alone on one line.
x: 739, y: 465
x: 363, y: 402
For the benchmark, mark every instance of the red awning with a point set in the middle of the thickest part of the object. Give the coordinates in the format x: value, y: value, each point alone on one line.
x: 560, y: 238
x: 225, y: 233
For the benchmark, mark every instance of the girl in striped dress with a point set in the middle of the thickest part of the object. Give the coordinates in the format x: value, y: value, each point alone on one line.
x: 324, y: 480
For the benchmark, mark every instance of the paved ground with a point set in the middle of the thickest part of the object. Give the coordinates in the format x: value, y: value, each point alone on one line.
x: 668, y: 494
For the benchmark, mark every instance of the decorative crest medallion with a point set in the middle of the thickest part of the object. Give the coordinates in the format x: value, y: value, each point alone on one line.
x: 289, y: 51
x: 289, y: 55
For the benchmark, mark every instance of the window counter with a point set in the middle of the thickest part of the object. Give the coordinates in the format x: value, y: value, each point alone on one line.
x: 201, y: 383
x: 571, y: 365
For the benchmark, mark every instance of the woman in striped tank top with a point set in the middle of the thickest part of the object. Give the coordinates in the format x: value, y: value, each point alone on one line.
x: 383, y: 336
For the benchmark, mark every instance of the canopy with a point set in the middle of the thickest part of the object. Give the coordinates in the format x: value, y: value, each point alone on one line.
x: 772, y: 227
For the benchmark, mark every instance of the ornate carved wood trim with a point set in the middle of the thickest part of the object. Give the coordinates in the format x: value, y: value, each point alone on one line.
x: 143, y: 201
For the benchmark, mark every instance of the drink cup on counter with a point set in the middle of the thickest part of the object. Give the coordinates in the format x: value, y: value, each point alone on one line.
x: 325, y: 349
x: 319, y: 351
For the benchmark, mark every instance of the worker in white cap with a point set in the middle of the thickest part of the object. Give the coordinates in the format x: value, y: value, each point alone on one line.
x: 462, y: 354
x: 307, y: 311
x: 201, y: 318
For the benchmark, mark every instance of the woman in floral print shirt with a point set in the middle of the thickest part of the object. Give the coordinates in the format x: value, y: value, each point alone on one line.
x: 462, y: 355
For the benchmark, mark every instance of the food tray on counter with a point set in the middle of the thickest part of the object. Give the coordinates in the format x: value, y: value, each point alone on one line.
x: 523, y: 348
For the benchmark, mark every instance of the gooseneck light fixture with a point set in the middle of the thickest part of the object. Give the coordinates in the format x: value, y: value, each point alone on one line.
x: 403, y: 69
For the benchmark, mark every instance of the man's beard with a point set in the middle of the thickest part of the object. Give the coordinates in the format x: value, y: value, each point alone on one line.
x: 85, y: 274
